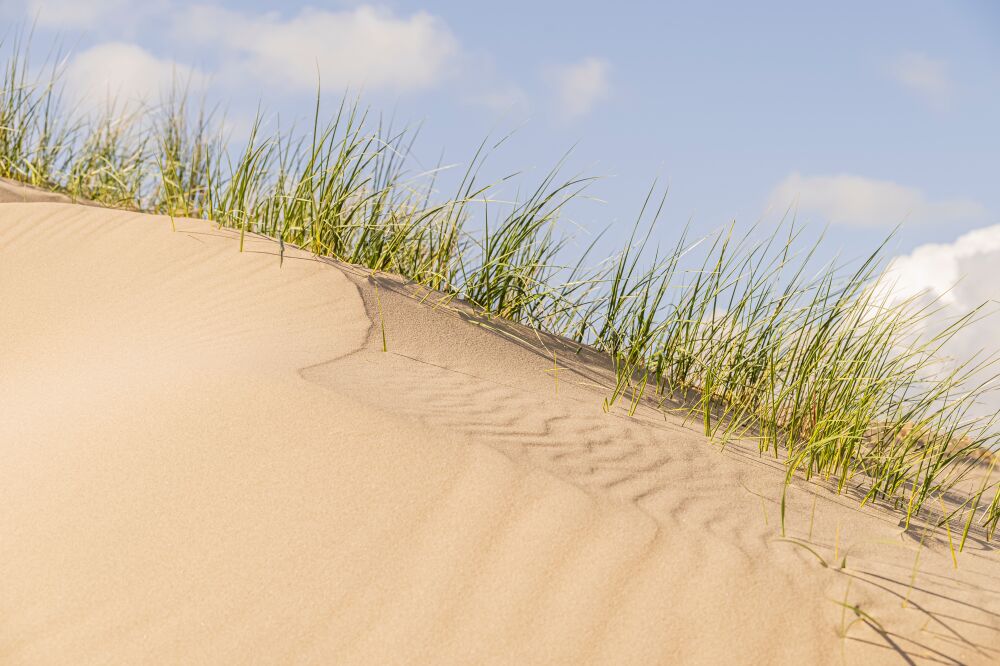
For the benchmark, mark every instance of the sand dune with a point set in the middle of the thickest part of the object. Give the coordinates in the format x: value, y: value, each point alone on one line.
x: 208, y: 458
x: 12, y: 191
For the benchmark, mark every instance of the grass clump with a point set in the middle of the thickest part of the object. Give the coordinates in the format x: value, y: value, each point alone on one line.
x: 823, y: 366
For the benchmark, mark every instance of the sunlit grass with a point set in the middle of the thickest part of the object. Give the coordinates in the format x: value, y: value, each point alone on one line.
x: 745, y: 332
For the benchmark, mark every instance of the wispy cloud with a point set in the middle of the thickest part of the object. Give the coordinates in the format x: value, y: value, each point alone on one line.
x: 924, y: 76
x: 96, y: 16
x: 866, y: 202
x: 125, y: 74
x: 502, y: 99
x: 362, y: 47
x: 580, y: 86
x: 73, y: 14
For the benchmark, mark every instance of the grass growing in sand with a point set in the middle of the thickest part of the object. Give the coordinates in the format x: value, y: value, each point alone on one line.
x: 824, y: 368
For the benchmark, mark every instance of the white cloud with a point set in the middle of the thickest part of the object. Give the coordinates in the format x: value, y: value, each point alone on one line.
x: 360, y: 47
x: 125, y: 74
x: 866, y: 202
x: 924, y: 76
x: 580, y: 86
x: 953, y: 279
x: 962, y: 273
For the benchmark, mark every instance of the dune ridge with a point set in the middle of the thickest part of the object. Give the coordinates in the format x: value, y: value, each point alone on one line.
x: 209, y: 458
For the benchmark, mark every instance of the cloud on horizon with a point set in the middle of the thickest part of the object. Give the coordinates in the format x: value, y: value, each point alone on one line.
x: 961, y: 273
x: 856, y: 201
x: 952, y: 279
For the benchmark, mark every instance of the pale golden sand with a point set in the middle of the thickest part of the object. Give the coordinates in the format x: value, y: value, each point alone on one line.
x: 207, y: 458
x: 15, y: 192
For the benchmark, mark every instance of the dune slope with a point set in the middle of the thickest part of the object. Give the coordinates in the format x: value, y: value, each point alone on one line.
x: 208, y: 458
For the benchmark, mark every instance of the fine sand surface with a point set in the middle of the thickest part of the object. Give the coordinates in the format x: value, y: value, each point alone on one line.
x: 14, y: 192
x: 208, y: 458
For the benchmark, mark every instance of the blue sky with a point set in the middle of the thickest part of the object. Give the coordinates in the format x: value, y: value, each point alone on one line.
x: 725, y: 101
x: 867, y: 114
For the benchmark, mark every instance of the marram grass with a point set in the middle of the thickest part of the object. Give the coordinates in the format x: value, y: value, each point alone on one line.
x: 822, y: 367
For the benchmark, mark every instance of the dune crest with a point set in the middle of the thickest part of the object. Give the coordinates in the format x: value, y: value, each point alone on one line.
x: 209, y: 458
x: 12, y: 191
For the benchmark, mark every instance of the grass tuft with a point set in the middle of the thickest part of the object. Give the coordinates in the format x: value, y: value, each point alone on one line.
x: 744, y: 331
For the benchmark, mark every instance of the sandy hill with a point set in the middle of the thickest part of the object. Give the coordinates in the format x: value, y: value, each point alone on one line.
x: 208, y: 458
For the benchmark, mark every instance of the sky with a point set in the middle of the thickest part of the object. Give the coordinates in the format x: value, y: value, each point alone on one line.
x: 859, y: 116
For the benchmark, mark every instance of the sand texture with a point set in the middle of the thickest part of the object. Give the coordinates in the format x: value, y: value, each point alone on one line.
x: 14, y: 192
x: 208, y: 458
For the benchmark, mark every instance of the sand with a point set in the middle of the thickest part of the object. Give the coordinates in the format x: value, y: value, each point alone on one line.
x: 208, y: 458
x: 12, y: 191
